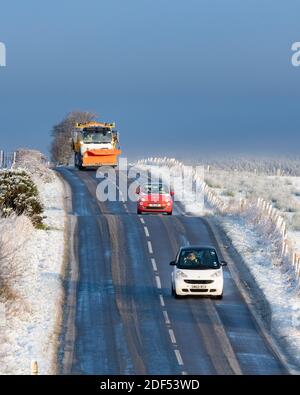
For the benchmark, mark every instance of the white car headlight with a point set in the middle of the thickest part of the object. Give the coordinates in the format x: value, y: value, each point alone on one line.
x: 180, y: 274
x: 216, y: 274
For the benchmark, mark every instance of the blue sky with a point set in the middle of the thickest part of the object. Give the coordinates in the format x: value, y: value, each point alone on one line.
x: 182, y: 77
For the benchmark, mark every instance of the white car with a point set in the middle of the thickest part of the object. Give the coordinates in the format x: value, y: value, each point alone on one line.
x: 197, y: 271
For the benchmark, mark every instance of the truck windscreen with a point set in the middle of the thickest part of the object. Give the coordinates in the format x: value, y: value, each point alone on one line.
x: 97, y: 137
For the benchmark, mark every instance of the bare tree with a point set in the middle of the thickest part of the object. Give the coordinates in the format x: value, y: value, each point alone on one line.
x: 61, y: 149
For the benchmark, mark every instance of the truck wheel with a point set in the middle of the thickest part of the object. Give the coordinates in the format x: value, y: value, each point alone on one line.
x: 80, y: 167
x: 75, y: 160
x: 78, y: 161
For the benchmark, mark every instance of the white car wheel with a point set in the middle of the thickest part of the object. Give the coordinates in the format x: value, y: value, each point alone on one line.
x: 174, y: 293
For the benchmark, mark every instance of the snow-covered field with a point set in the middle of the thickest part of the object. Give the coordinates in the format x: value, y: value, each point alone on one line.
x: 34, y: 264
x: 282, y: 191
x: 258, y: 242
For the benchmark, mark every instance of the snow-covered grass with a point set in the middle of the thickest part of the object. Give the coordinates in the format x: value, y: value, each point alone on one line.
x: 282, y: 191
x: 31, y: 265
x: 258, y: 241
x: 258, y: 164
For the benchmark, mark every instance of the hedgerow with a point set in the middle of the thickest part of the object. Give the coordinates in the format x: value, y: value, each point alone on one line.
x: 19, y: 195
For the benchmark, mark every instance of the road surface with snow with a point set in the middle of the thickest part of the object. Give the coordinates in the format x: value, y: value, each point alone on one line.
x: 125, y: 319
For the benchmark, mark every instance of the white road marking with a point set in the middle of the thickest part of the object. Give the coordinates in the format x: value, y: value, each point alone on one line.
x: 158, y: 283
x: 172, y: 336
x: 167, y: 321
x: 150, y: 247
x: 162, y: 302
x: 154, y: 264
x: 178, y: 356
x: 146, y: 231
x: 183, y: 373
x: 125, y: 206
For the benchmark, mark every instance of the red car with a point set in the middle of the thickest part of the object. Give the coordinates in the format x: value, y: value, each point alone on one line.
x: 154, y: 198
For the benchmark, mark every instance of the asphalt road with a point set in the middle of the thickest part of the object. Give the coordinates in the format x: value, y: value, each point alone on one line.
x: 126, y: 321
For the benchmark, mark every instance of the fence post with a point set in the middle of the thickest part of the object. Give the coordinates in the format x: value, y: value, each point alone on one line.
x: 294, y: 258
x: 284, y: 248
x: 283, y: 229
x: 34, y: 368
x: 242, y: 204
x: 14, y: 159
x: 296, y: 267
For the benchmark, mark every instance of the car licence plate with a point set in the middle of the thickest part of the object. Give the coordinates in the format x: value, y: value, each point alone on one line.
x: 198, y: 286
x: 154, y: 205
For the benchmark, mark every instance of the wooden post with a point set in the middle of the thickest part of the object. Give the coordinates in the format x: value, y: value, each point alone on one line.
x: 295, y: 259
x: 284, y: 248
x: 283, y: 229
x: 34, y: 368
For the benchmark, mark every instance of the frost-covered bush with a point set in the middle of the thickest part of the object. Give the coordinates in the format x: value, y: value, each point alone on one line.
x: 211, y: 183
x: 295, y: 222
x: 35, y: 163
x: 227, y: 193
x: 19, y: 195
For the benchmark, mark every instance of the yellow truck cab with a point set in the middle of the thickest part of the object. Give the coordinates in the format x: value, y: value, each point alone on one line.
x: 95, y: 144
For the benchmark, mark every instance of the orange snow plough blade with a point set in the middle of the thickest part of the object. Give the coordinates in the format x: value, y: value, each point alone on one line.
x: 101, y: 157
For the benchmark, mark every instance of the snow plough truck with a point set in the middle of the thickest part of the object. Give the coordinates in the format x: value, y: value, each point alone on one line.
x: 95, y: 144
